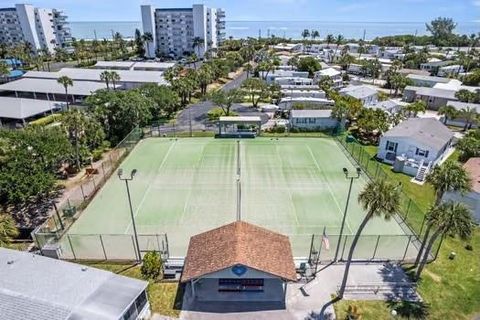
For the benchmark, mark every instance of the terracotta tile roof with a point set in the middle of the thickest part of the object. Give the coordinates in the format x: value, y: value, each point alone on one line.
x: 239, y: 243
x: 473, y: 168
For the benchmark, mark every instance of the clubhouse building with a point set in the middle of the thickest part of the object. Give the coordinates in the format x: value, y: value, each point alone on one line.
x: 238, y: 262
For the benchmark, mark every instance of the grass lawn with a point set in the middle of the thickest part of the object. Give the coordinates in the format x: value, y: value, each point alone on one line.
x: 451, y: 288
x: 367, y: 309
x: 162, y: 295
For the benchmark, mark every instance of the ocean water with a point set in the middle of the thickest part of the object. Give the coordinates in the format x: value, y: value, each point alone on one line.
x: 289, y: 29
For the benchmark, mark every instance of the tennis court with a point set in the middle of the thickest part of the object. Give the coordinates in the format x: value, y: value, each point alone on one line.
x: 292, y: 185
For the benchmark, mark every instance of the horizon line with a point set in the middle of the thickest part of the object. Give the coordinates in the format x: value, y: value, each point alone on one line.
x: 323, y: 21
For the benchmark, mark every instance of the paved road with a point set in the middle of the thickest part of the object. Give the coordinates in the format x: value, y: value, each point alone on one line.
x: 197, y: 113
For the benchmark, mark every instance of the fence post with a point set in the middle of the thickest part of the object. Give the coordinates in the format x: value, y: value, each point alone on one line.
x: 344, y: 245
x: 423, y: 224
x: 134, y: 248
x: 376, y: 246
x: 103, y: 170
x: 406, y: 249
x: 376, y: 170
x: 71, y: 247
x: 168, y: 249
x: 103, y: 247
x: 311, y: 248
x: 83, y: 193
x: 158, y: 244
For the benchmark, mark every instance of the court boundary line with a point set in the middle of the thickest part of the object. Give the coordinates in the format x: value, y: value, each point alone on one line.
x: 147, y: 192
x: 288, y: 187
x: 195, y: 174
x: 328, y: 185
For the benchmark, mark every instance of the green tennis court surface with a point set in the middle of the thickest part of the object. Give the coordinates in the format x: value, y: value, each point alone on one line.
x: 293, y: 185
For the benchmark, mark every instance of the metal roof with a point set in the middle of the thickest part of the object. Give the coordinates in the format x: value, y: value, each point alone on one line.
x: 34, y: 287
x: 359, y: 92
x: 241, y: 119
x: 19, y: 108
x: 433, y: 92
x: 311, y: 113
x: 427, y: 131
x: 79, y: 88
x: 463, y: 105
x: 114, y: 64
x: 428, y: 78
x: 94, y: 75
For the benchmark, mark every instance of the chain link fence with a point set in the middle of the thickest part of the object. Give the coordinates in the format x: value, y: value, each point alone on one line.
x: 411, y: 216
x: 69, y: 208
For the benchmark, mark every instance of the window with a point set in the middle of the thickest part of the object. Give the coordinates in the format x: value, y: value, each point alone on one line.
x: 240, y: 285
x: 391, y: 146
x: 422, y: 153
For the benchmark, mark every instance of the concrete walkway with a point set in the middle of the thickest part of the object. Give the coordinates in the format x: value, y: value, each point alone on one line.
x: 312, y: 301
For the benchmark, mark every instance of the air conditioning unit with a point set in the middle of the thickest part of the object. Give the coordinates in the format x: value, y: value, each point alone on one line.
x: 52, y: 250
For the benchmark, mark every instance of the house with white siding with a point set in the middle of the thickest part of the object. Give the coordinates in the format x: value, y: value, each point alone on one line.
x: 312, y: 119
x: 415, y: 146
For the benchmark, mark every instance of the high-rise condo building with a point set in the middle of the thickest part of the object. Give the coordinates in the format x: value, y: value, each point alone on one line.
x: 181, y: 31
x: 42, y: 28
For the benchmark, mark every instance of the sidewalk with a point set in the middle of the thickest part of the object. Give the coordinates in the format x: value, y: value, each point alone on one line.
x: 312, y: 300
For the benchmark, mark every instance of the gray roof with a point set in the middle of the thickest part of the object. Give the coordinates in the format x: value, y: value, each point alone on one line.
x: 80, y: 88
x: 311, y: 113
x: 463, y: 105
x: 34, y: 287
x: 19, y: 108
x: 427, y: 131
x: 359, y: 92
x: 428, y: 78
x: 386, y: 105
x: 80, y: 74
x: 433, y: 92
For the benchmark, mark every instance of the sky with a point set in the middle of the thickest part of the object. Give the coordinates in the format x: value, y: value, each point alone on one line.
x: 277, y: 10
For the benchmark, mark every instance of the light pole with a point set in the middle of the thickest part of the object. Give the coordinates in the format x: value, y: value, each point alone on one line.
x: 127, y: 179
x: 351, y: 177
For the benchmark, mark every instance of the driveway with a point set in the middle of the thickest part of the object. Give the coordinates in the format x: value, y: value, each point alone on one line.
x: 197, y: 113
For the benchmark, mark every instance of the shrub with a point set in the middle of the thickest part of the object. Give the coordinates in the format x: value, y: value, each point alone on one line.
x: 469, y: 247
x: 152, y: 265
x: 45, y: 121
x: 216, y: 113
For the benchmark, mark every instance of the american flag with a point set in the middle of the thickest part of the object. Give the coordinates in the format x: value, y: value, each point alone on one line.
x: 325, y: 241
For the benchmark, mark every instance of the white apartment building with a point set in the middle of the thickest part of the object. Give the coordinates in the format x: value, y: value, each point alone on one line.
x: 181, y: 31
x: 42, y: 28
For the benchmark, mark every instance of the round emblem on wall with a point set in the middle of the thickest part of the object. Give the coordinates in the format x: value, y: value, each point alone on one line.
x: 239, y: 270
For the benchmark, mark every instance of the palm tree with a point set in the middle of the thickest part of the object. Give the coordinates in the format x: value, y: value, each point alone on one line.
x: 449, y: 218
x: 66, y: 82
x: 449, y: 177
x: 193, y: 59
x: 469, y: 114
x: 379, y: 199
x: 415, y: 108
x: 147, y: 37
x: 248, y: 68
x: 197, y: 43
x: 330, y: 39
x: 105, y: 77
x: 314, y: 34
x: 8, y: 229
x: 114, y: 78
x: 448, y: 112
x: 338, y: 42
